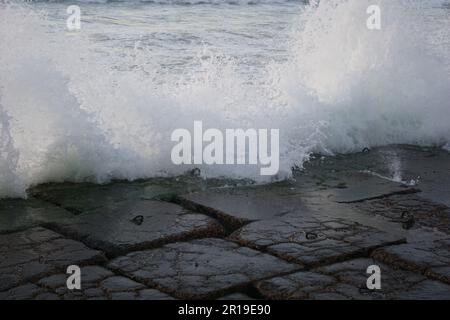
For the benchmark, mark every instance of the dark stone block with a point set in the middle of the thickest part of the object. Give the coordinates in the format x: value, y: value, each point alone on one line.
x: 348, y: 280
x: 201, y: 268
x: 431, y: 258
x: 113, y: 229
x: 97, y: 283
x: 38, y: 252
x: 311, y: 241
x: 20, y: 214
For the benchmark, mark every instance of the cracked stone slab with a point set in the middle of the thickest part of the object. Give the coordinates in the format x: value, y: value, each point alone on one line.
x: 348, y: 280
x: 82, y: 197
x: 206, y: 268
x: 360, y: 186
x: 357, y: 186
x: 97, y: 283
x: 411, y: 211
x: 356, y: 177
x: 237, y: 206
x: 311, y: 241
x: 136, y: 225
x: 431, y: 258
x: 430, y: 167
x: 37, y: 252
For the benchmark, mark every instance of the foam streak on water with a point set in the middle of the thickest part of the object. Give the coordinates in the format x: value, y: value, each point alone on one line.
x: 102, y: 103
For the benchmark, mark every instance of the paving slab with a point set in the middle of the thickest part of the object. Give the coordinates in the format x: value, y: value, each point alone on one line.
x: 237, y: 206
x: 97, y: 283
x: 431, y: 258
x: 83, y: 197
x: 347, y: 280
x: 37, y: 252
x: 206, y: 268
x: 117, y: 226
x: 21, y: 214
x: 410, y: 211
x: 364, y: 186
x: 355, y: 177
x: 427, y: 168
x: 136, y: 225
x: 311, y: 241
x: 356, y: 186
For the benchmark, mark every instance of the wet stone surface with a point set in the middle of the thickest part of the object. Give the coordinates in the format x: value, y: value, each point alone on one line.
x: 97, y: 284
x: 342, y: 175
x: 200, y: 268
x: 135, y: 225
x: 429, y: 258
x: 310, y: 241
x: 79, y: 198
x: 355, y: 177
x: 306, y: 197
x: 37, y: 252
x: 410, y: 211
x: 237, y: 206
x: 311, y: 237
x: 20, y: 214
x: 427, y: 166
x: 347, y: 280
x: 83, y: 197
x: 360, y: 186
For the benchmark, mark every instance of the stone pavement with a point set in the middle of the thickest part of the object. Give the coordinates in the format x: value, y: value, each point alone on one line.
x: 345, y: 280
x: 312, y: 237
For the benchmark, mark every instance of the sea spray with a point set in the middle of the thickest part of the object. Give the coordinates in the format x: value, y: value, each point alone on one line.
x: 368, y: 87
x: 10, y: 182
x: 77, y: 111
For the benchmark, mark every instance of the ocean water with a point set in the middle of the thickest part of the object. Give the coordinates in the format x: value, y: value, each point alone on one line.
x: 101, y: 102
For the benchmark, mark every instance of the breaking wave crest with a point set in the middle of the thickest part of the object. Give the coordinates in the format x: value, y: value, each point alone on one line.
x: 67, y: 113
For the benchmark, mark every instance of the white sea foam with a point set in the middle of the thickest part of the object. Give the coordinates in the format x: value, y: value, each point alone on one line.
x: 68, y: 112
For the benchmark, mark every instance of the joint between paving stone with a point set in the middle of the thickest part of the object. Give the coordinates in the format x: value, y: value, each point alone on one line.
x: 114, y: 253
x: 362, y: 253
x: 72, y: 210
x: 383, y: 196
x: 400, y: 262
x: 229, y: 222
